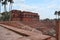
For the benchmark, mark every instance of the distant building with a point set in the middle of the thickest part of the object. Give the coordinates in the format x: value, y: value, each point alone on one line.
x: 24, y: 16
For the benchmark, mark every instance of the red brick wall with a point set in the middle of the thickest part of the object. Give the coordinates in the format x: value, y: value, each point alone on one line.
x: 16, y: 19
x: 24, y: 16
x: 29, y: 16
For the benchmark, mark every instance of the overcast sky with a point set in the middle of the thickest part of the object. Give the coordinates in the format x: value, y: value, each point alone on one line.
x: 45, y: 8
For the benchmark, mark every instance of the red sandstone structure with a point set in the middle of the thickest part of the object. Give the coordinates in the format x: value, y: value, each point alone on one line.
x: 24, y: 16
x: 32, y: 19
x: 28, y: 21
x: 25, y: 31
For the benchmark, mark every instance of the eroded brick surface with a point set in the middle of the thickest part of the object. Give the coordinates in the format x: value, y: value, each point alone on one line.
x: 6, y: 34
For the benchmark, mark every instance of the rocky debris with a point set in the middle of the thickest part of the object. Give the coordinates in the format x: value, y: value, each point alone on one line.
x: 32, y: 35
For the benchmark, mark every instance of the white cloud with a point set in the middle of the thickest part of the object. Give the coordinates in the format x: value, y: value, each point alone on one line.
x: 45, y: 10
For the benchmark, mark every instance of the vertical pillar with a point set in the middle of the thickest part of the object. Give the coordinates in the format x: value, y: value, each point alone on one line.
x: 57, y: 29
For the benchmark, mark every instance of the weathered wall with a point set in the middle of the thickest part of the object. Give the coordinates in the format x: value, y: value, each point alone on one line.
x: 24, y: 16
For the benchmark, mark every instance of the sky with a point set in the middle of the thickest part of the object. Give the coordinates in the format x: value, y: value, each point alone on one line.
x: 45, y: 8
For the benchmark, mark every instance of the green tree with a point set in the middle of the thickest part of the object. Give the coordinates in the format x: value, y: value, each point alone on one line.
x: 4, y: 3
x: 5, y: 17
x: 57, y: 13
x: 10, y: 7
x: 0, y: 5
x: 11, y: 2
